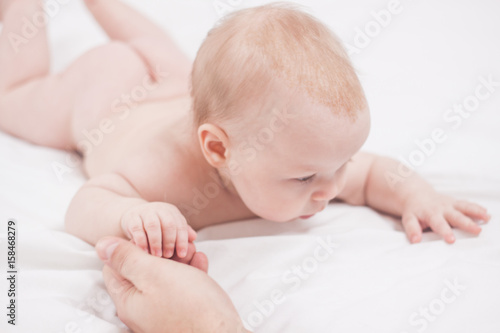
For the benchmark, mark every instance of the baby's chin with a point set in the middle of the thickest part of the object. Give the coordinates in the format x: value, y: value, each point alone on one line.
x: 278, y: 218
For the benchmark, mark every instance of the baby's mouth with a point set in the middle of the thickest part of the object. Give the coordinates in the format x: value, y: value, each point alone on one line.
x: 311, y: 215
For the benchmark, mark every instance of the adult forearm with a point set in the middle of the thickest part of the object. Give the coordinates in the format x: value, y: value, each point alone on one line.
x: 390, y: 183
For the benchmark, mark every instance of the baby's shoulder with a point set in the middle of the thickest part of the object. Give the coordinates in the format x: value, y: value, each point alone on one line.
x: 148, y: 150
x: 154, y: 168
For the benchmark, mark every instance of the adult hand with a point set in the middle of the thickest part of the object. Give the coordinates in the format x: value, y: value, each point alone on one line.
x: 153, y: 294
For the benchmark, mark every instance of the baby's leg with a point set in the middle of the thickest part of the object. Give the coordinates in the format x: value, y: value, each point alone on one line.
x: 122, y: 22
x: 15, y: 50
x: 24, y: 62
x: 125, y: 24
x: 52, y: 110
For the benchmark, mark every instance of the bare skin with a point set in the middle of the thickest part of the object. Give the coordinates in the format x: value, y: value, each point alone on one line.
x: 136, y: 280
x: 150, y: 167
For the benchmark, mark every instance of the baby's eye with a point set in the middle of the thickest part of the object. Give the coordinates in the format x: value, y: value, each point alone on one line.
x: 305, y: 180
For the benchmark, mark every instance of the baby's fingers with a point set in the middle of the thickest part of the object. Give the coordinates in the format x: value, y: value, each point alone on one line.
x: 181, y: 244
x: 472, y: 210
x: 191, y: 234
x: 412, y: 228
x: 169, y: 237
x: 442, y: 228
x: 153, y: 229
x: 460, y: 221
x: 188, y: 257
x: 136, y: 231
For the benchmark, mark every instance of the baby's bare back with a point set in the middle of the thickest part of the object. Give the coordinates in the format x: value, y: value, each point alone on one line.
x: 152, y: 146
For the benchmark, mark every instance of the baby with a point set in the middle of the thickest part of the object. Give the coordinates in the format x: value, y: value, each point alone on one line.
x: 271, y: 127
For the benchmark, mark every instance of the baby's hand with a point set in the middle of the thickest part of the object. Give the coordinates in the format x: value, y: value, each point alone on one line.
x: 159, y: 225
x: 439, y: 212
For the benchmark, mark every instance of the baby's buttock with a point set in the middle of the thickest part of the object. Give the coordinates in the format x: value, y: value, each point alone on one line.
x: 119, y: 137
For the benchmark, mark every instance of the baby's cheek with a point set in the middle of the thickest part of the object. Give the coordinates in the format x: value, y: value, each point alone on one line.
x: 281, y: 211
x: 271, y: 203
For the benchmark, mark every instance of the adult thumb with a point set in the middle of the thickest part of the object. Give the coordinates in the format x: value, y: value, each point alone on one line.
x: 126, y: 261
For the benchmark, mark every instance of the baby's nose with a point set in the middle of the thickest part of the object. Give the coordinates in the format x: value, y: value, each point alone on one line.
x: 326, y: 194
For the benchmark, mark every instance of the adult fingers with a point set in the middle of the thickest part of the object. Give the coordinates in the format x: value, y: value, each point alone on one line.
x: 118, y: 287
x: 200, y: 261
x: 126, y: 260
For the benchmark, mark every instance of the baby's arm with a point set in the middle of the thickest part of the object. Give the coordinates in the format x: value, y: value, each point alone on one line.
x: 387, y: 185
x: 108, y: 205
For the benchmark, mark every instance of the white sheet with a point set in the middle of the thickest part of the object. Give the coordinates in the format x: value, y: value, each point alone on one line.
x: 428, y: 58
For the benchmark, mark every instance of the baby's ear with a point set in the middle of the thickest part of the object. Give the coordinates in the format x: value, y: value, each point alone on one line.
x: 214, y: 143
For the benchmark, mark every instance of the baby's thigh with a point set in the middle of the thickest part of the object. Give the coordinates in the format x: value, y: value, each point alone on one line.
x: 167, y: 63
x: 102, y: 80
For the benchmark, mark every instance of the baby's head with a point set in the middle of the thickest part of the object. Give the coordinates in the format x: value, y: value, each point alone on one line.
x: 279, y: 110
